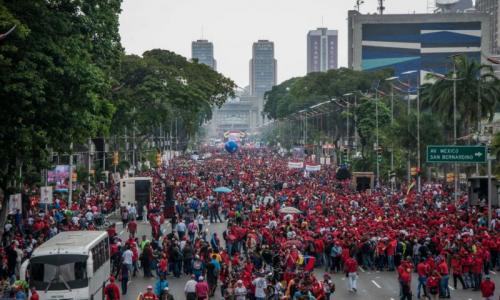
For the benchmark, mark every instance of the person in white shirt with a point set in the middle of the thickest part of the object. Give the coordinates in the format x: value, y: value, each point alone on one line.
x: 190, y: 288
x: 260, y: 288
x: 240, y: 291
x: 200, y: 222
x: 127, y: 259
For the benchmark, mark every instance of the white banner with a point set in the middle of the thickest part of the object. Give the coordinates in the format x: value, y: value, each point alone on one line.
x: 46, y: 195
x: 327, y: 161
x: 295, y: 165
x: 15, y: 203
x: 313, y: 168
x: 322, y: 160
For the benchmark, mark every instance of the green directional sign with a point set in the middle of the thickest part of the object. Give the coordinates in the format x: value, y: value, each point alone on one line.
x: 456, y: 154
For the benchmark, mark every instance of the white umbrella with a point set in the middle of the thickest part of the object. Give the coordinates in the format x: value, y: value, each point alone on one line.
x: 290, y: 210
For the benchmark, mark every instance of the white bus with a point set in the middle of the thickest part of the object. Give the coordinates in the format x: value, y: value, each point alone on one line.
x: 71, y: 265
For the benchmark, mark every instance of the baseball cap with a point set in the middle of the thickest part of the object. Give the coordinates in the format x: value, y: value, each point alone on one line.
x: 150, y: 287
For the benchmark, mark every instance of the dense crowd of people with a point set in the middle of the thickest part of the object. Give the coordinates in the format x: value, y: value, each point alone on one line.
x: 282, y: 225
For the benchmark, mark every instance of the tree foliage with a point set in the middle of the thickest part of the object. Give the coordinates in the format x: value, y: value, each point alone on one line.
x: 161, y: 86
x: 64, y: 79
x: 54, y: 76
x: 474, y: 81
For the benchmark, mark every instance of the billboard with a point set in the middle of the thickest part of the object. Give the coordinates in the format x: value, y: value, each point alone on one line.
x: 418, y: 46
x: 46, y: 195
x: 59, y: 176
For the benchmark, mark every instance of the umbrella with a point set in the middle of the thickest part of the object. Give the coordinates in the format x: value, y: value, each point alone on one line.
x: 223, y: 189
x: 290, y: 210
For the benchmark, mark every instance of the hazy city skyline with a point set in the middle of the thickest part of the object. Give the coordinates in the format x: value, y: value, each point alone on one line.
x: 234, y: 25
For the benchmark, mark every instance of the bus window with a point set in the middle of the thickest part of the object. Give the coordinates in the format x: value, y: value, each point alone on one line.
x: 69, y: 271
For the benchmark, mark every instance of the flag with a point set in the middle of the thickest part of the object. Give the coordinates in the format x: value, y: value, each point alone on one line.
x: 412, y: 185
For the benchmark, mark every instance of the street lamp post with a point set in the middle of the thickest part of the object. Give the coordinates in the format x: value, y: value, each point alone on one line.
x: 392, y: 124
x: 376, y: 133
x: 418, y: 124
x: 455, y: 196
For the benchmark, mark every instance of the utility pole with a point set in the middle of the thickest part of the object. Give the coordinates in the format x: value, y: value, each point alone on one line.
x: 408, y: 165
x: 455, y: 197
x: 133, y: 146
x: 490, y: 195
x: 378, y: 146
x: 89, y: 156
x: 126, y: 145
x: 419, y: 184
x: 70, y: 184
x: 347, y: 127
x: 392, y: 144
x: 381, y: 7
x: 478, y: 117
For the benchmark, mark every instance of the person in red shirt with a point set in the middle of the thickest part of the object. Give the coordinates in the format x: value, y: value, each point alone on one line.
x: 351, y: 268
x: 456, y: 266
x: 111, y: 290
x: 132, y: 228
x: 423, y: 271
x: 444, y: 290
x: 201, y: 289
x: 405, y: 279
x: 476, y: 269
x: 433, y: 285
x: 149, y: 295
x: 487, y: 288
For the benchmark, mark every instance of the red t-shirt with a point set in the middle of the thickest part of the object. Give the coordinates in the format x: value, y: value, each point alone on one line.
x: 487, y: 288
x: 351, y: 265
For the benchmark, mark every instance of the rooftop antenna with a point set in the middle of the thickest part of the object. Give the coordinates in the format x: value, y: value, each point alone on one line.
x: 381, y: 7
x: 202, y: 32
x: 358, y: 4
x: 322, y: 24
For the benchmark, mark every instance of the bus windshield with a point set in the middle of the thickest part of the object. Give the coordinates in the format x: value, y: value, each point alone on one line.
x: 58, y: 272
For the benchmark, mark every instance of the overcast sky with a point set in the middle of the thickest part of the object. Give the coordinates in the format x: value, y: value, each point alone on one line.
x: 233, y: 25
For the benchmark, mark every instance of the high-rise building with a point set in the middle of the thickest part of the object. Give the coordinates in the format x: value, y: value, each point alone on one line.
x: 263, y: 68
x: 492, y: 7
x: 322, y: 50
x: 422, y: 42
x: 203, y: 51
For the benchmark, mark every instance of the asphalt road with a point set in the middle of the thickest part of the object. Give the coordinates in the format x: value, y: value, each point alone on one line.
x: 371, y: 285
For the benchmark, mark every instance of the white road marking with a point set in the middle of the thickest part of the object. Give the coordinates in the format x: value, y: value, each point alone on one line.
x: 121, y: 232
x: 376, y: 284
x: 451, y: 288
x: 493, y: 272
x: 392, y: 298
x: 377, y: 277
x: 362, y: 270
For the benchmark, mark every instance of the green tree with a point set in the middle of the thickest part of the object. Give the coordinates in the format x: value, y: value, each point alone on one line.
x: 55, y: 78
x: 162, y: 88
x: 475, y: 81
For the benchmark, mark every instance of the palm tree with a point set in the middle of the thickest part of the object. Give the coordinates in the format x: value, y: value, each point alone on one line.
x: 474, y: 81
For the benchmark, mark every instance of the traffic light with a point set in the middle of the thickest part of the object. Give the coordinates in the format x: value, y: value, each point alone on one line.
x: 379, y: 154
x: 158, y: 159
x: 116, y: 158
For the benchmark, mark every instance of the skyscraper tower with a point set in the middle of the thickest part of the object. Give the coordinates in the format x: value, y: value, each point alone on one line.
x: 322, y: 50
x: 263, y: 68
x: 492, y: 7
x: 203, y: 51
